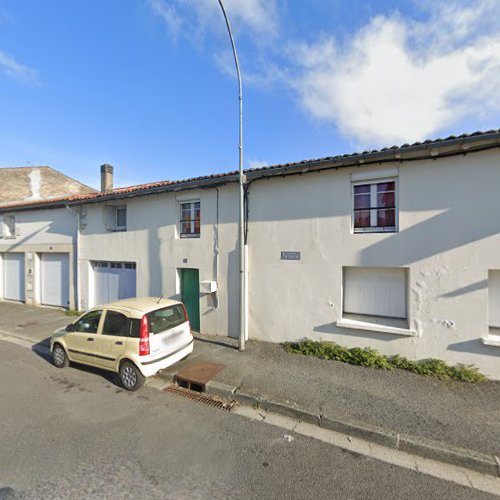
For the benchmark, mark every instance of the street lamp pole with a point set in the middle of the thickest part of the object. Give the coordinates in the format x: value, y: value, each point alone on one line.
x: 241, y: 225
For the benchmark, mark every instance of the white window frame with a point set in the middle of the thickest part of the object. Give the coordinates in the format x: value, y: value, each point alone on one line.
x: 373, y: 212
x: 118, y: 227
x: 193, y: 223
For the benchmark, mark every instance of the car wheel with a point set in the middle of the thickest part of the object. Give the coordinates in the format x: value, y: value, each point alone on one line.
x: 59, y: 356
x: 130, y: 376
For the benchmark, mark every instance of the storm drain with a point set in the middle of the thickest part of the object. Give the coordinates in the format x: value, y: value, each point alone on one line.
x: 213, y: 401
x: 197, y: 375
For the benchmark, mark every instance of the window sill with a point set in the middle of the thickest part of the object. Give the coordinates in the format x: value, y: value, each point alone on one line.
x: 354, y: 324
x: 189, y: 236
x: 493, y: 340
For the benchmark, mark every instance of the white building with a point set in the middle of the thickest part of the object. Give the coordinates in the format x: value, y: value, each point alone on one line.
x: 395, y: 249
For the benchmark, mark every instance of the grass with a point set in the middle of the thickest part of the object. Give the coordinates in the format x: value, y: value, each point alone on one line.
x: 73, y: 312
x: 370, y: 357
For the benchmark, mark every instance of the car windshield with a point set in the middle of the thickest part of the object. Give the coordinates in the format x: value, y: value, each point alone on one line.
x: 165, y: 319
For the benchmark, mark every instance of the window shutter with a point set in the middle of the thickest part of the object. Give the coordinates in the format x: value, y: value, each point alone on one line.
x: 109, y: 214
x: 494, y: 298
x: 375, y: 291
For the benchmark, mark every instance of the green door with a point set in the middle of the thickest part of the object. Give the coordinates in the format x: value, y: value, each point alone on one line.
x: 190, y: 295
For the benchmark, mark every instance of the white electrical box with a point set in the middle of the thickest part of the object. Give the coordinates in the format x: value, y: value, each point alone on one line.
x: 208, y: 286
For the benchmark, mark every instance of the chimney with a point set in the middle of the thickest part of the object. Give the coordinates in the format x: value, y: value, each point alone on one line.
x: 106, y: 178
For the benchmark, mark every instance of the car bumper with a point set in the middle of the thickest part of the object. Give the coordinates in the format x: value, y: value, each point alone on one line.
x: 151, y: 368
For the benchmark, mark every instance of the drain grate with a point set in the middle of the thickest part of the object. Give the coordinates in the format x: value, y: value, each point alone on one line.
x: 213, y: 401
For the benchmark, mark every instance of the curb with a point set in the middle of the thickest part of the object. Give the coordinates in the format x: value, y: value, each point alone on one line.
x: 435, y: 450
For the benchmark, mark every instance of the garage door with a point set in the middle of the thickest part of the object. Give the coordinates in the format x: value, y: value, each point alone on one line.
x: 55, y: 279
x: 114, y: 281
x: 13, y: 270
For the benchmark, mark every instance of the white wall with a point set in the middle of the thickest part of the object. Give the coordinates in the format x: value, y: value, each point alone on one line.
x: 449, y: 236
x: 448, y: 240
x: 152, y: 241
x: 43, y: 231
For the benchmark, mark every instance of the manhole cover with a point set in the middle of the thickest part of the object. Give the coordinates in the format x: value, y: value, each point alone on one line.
x: 213, y: 401
x: 197, y: 375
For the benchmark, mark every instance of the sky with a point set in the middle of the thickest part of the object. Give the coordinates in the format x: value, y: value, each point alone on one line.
x: 149, y: 86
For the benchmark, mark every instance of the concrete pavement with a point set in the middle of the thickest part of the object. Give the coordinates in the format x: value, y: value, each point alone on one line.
x: 74, y: 433
x: 398, y: 407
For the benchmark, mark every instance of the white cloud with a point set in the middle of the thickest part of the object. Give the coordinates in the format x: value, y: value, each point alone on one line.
x: 396, y: 80
x: 168, y: 14
x: 197, y: 16
x: 257, y: 163
x: 17, y: 71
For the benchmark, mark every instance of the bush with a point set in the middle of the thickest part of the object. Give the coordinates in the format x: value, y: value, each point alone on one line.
x: 370, y: 357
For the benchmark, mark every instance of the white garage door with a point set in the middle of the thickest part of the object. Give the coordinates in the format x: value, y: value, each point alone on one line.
x: 113, y: 281
x: 55, y: 279
x: 13, y: 270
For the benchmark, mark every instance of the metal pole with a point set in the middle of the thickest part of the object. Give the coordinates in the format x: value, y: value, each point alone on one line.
x: 241, y: 224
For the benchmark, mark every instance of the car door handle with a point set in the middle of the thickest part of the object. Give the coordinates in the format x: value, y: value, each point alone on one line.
x: 90, y: 339
x: 119, y: 343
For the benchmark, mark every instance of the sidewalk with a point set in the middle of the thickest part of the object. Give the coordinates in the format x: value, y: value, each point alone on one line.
x: 396, y: 408
x: 455, y: 414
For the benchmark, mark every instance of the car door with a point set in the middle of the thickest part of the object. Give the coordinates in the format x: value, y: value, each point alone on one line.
x: 81, y: 343
x: 112, y: 340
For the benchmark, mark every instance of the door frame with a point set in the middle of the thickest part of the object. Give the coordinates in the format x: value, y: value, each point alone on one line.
x: 194, y: 319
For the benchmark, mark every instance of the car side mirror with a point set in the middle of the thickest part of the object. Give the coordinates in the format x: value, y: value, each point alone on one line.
x: 70, y: 327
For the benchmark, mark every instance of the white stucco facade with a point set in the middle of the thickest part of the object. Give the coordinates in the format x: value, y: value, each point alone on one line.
x: 37, y: 233
x: 441, y: 260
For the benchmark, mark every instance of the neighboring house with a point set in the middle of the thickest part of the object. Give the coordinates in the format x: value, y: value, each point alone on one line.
x: 394, y: 249
x: 26, y: 184
x: 38, y: 247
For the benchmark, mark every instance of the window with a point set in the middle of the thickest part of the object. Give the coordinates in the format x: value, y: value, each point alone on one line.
x: 89, y: 323
x: 374, y: 207
x: 375, y: 291
x: 494, y: 300
x: 164, y: 319
x: 9, y: 224
x: 116, y: 324
x: 121, y: 218
x: 190, y: 220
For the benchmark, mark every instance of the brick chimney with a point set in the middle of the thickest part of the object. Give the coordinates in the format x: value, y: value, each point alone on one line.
x: 106, y: 178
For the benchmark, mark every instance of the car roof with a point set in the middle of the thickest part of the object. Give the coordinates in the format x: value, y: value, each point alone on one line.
x: 138, y: 306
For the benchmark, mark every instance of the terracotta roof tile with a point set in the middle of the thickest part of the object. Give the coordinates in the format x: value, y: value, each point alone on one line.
x: 159, y: 184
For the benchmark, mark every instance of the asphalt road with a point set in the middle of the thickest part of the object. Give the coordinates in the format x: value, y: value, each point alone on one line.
x: 74, y: 433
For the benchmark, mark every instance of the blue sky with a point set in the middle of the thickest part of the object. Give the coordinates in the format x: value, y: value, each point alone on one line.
x: 149, y: 85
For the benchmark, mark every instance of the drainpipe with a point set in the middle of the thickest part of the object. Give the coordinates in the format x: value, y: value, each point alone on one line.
x: 243, y: 250
x: 76, y: 270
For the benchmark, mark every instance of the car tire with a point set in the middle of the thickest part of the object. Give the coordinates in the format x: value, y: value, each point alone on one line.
x: 131, y: 377
x: 59, y: 356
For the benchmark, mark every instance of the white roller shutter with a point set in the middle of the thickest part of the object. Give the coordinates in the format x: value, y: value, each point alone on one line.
x: 375, y: 291
x: 13, y: 270
x: 55, y: 279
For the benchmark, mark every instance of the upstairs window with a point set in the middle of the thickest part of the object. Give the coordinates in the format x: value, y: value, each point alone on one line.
x: 9, y: 226
x: 121, y: 218
x: 190, y: 220
x: 374, y: 209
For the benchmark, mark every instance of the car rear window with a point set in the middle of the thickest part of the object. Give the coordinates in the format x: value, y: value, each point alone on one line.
x: 165, y: 319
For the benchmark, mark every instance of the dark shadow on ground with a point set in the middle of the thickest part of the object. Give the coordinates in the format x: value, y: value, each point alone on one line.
x: 229, y: 344
x: 41, y: 349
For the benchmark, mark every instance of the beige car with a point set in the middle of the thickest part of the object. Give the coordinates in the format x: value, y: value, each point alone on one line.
x: 133, y: 337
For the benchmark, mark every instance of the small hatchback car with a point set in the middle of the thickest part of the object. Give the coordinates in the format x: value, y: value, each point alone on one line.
x: 133, y: 337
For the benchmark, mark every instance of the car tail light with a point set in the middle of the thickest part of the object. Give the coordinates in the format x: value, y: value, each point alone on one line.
x: 186, y: 316
x: 144, y: 338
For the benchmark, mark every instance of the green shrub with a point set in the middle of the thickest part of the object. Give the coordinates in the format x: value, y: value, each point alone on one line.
x: 370, y: 357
